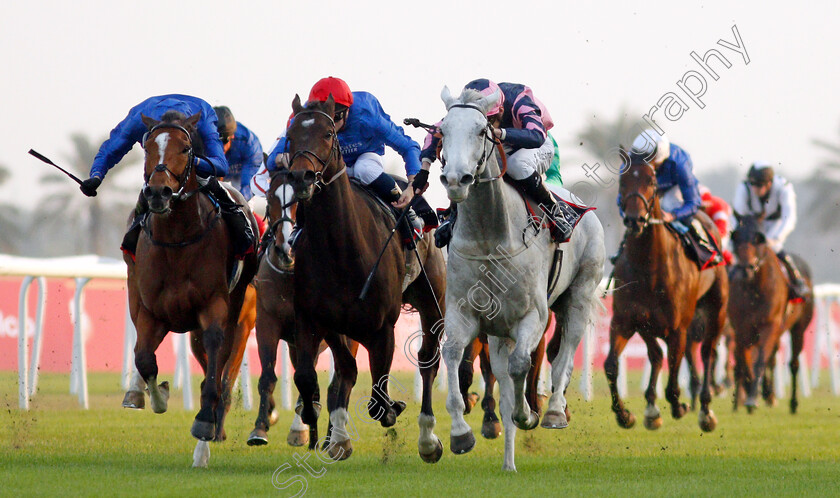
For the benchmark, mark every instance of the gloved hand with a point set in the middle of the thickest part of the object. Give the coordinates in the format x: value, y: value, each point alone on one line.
x: 421, y: 182
x: 89, y: 186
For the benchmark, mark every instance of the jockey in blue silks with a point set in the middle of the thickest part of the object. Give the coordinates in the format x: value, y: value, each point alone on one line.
x: 131, y: 130
x: 363, y: 130
x: 243, y: 150
x: 677, y: 186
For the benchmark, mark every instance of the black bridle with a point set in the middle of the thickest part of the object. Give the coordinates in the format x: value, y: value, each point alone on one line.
x: 486, y: 151
x: 162, y: 167
x: 309, y: 155
x: 647, y: 201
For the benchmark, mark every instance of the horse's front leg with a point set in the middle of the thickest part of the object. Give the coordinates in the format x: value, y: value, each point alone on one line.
x: 490, y: 425
x: 268, y: 338
x: 501, y: 351
x: 618, y: 340
x: 307, y: 339
x: 529, y: 331
x: 341, y: 431
x: 461, y: 330
x: 150, y: 333
x: 211, y: 321
x: 653, y: 418
x: 230, y: 361
x: 676, y: 351
x: 428, y: 444
x: 465, y: 374
x: 134, y: 397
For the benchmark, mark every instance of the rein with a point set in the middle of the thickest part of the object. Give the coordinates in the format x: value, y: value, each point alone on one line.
x: 488, y: 136
x: 212, y: 224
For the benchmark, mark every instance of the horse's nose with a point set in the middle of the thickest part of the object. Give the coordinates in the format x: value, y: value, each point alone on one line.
x: 163, y: 193
x: 466, y: 180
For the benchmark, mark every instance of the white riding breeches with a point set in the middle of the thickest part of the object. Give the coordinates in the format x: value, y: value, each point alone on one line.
x: 367, y: 168
x: 525, y: 162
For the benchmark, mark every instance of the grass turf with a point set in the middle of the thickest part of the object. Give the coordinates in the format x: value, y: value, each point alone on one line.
x: 57, y: 448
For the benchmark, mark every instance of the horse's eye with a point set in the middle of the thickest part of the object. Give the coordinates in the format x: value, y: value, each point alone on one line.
x: 328, y: 134
x: 186, y: 150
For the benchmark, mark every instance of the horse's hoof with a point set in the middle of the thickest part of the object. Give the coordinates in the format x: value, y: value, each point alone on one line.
x: 707, y: 421
x: 491, y: 429
x: 135, y: 400
x: 472, y: 399
x: 258, y: 437
x: 750, y: 409
x: 273, y: 417
x: 771, y: 401
x: 462, y: 444
x: 679, y: 410
x: 625, y: 419
x: 435, y: 455
x: 398, y: 407
x: 221, y: 436
x: 341, y: 450
x: 297, y: 438
x: 568, y: 415
x: 203, y: 431
x: 163, y: 387
x: 554, y: 420
x: 529, y: 424
x: 793, y: 406
x: 653, y: 423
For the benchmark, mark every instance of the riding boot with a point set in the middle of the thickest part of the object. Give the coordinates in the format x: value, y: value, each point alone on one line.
x: 235, y: 218
x: 387, y: 189
x: 798, y: 287
x: 534, y: 188
x: 707, y: 243
x: 129, y: 242
x: 444, y: 232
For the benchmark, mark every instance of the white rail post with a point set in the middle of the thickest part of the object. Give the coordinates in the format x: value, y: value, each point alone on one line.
x: 804, y: 384
x: 129, y: 339
x: 418, y: 385
x: 586, y: 370
x: 722, y: 361
x: 184, y: 374
x: 285, y: 377
x: 245, y: 382
x: 833, y: 356
x: 820, y: 335
x: 37, y: 343
x: 78, y: 370
x: 23, y: 347
x: 780, y: 375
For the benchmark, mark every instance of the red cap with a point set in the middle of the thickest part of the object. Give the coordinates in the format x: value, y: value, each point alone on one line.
x: 336, y: 86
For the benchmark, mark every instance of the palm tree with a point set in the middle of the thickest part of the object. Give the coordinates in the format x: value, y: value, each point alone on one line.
x: 10, y: 225
x: 825, y: 182
x: 95, y: 224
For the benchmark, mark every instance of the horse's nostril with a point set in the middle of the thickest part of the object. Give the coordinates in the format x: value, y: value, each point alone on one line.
x: 466, y: 179
x: 166, y: 193
x: 443, y: 179
x: 147, y: 192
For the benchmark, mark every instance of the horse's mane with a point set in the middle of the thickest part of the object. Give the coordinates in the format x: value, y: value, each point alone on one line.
x: 469, y: 96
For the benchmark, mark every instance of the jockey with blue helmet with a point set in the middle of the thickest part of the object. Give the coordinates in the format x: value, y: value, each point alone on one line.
x: 211, y: 164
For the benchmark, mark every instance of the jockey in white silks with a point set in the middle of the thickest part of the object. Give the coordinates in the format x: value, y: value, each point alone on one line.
x: 771, y: 197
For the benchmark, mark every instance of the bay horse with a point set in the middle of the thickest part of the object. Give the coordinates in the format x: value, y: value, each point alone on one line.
x: 344, y: 230
x: 489, y: 253
x: 275, y: 319
x: 761, y: 312
x: 180, y: 277
x: 659, y: 293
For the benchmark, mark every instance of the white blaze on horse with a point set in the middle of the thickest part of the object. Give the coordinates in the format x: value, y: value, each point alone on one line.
x: 498, y: 277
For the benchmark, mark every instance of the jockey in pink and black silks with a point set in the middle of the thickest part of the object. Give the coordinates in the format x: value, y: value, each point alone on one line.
x: 521, y: 123
x: 210, y: 163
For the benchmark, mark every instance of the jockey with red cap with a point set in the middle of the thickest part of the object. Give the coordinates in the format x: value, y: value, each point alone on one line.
x: 720, y: 213
x: 521, y: 123
x: 363, y: 130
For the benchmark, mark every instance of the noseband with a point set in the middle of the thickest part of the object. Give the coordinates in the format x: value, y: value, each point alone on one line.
x: 161, y: 167
x: 309, y: 155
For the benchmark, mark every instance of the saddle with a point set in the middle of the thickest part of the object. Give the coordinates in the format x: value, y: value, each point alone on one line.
x: 566, y: 213
x: 700, y: 245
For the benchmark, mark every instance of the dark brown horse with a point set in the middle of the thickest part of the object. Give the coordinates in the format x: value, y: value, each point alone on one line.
x: 660, y: 293
x: 761, y: 312
x: 344, y: 231
x: 180, y: 280
x: 275, y: 317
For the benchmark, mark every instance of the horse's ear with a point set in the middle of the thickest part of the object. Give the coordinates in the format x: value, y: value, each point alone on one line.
x: 191, y: 122
x: 330, y: 102
x: 488, y: 102
x: 296, y: 107
x: 446, y: 97
x: 149, y: 122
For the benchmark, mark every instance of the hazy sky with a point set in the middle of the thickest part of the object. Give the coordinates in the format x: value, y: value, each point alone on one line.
x: 79, y: 66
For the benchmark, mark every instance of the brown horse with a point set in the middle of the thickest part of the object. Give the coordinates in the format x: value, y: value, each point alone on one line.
x: 275, y: 319
x: 659, y: 293
x: 180, y: 279
x: 760, y: 312
x: 344, y: 230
